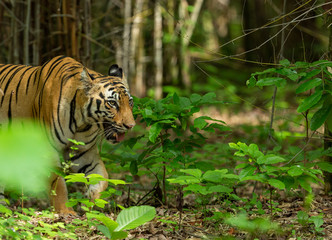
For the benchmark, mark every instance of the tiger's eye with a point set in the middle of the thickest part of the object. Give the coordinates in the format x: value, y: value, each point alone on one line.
x: 112, y: 103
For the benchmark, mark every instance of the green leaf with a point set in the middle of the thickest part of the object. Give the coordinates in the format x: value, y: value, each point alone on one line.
x: 154, y: 132
x: 276, y: 183
x: 325, y: 166
x: 310, y: 74
x: 219, y: 189
x: 133, y: 167
x: 295, y: 171
x: 208, y: 98
x: 196, y: 188
x: 251, y: 82
x: 76, y: 177
x: 270, y: 159
x: 194, y: 172
x: 109, y: 223
x: 304, y: 183
x: 195, y: 98
x: 320, y: 117
x: 133, y: 217
x: 302, y: 64
x: 302, y: 217
x: 200, y: 123
x: 284, y: 62
x: 308, y: 85
x: 184, y: 180
x: 184, y: 103
x: 215, y: 175
x: 176, y: 99
x: 310, y: 101
x: 100, y: 202
x: 277, y: 81
x: 291, y: 74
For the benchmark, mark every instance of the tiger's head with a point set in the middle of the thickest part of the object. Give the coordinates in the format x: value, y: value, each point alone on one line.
x: 109, y: 102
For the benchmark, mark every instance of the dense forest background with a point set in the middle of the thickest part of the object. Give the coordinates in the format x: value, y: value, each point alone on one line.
x: 167, y: 46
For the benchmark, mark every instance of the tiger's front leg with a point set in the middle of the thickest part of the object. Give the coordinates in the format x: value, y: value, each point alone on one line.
x: 90, y: 163
x: 95, y: 190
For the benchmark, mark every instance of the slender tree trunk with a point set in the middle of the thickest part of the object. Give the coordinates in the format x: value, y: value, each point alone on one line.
x: 126, y: 37
x: 158, y: 58
x: 87, y: 31
x: 134, y: 43
x: 36, y: 42
x: 26, y: 32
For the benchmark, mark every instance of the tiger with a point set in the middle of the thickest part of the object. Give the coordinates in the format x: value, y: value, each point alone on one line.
x: 70, y: 101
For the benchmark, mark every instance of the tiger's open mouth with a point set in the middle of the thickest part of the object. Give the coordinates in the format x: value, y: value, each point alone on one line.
x: 111, y: 134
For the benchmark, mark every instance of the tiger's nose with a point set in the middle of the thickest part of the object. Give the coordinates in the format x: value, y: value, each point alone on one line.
x: 129, y: 126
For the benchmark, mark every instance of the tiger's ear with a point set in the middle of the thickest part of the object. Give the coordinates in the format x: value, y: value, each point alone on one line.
x: 86, y: 78
x: 115, y: 71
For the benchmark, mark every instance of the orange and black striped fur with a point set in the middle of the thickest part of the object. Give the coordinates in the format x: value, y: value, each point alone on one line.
x: 72, y: 102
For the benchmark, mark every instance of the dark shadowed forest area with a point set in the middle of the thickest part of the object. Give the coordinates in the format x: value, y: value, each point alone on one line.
x: 233, y: 109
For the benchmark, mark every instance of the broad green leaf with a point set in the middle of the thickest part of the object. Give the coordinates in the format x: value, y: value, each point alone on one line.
x: 215, y: 175
x: 302, y: 64
x: 195, y: 98
x: 196, y: 188
x: 284, y: 62
x: 291, y: 74
x: 76, y: 177
x: 154, y: 132
x: 234, y: 145
x: 184, y: 180
x: 270, y: 159
x: 184, y: 103
x: 325, y: 166
x: 308, y: 85
x: 277, y: 81
x: 200, y: 123
x: 176, y: 99
x: 208, y: 98
x: 317, y: 221
x: 133, y: 217
x: 194, y: 172
x: 302, y: 217
x: 304, y: 183
x: 310, y: 74
x: 109, y: 223
x: 254, y: 152
x: 320, y: 117
x: 276, y: 183
x: 295, y: 171
x: 100, y: 202
x: 248, y: 171
x: 310, y: 101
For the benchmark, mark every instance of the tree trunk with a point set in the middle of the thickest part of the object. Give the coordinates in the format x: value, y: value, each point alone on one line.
x: 26, y: 33
x: 158, y: 58
x: 126, y: 37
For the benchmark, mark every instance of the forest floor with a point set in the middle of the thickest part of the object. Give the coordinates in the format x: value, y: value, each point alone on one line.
x: 194, y: 223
